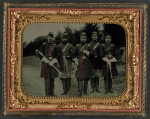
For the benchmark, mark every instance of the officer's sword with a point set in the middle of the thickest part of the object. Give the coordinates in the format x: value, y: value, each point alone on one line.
x: 40, y: 53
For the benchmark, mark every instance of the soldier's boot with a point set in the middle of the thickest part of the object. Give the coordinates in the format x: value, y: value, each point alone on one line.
x: 92, y: 85
x: 81, y: 92
x: 63, y: 85
x: 52, y: 87
x: 110, y: 86
x: 85, y: 86
x: 80, y: 88
x: 47, y: 87
x: 68, y: 80
x: 78, y: 85
x: 97, y: 85
x: 106, y: 85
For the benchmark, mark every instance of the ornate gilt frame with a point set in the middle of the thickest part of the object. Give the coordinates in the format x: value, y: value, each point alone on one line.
x: 132, y: 17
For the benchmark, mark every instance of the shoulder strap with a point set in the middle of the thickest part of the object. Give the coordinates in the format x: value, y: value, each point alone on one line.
x: 50, y: 50
x: 64, y: 49
x: 82, y: 48
x: 96, y: 45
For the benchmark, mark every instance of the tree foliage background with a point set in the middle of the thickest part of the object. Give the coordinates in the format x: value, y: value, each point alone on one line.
x: 116, y: 31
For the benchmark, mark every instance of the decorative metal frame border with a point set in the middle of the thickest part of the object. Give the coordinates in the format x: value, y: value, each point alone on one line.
x: 81, y: 5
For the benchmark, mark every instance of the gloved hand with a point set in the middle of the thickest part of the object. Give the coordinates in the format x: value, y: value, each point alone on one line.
x: 86, y: 52
x: 44, y: 59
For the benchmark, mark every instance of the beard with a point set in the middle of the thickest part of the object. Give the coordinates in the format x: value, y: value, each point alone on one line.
x: 50, y: 40
x: 83, y: 42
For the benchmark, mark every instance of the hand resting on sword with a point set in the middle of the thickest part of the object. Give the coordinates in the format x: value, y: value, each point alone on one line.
x: 44, y: 59
x: 51, y: 63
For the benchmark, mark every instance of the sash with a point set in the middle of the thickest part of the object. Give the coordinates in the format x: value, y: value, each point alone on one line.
x: 50, y: 49
x: 82, y: 48
x: 95, y: 46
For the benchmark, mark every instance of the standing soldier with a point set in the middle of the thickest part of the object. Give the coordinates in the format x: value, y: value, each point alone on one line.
x: 48, y: 50
x: 84, y: 71
x: 65, y: 61
x: 96, y: 60
x: 109, y: 68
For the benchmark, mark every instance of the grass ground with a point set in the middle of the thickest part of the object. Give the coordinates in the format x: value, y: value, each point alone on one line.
x: 33, y: 84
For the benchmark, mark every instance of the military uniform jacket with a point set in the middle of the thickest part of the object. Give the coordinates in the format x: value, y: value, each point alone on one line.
x: 96, y: 54
x: 49, y: 50
x: 109, y: 49
x: 84, y: 69
x: 65, y: 56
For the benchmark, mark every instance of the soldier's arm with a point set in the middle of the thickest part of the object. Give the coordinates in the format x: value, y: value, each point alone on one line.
x: 91, y: 55
x: 87, y: 50
x: 75, y: 51
x: 71, y: 52
x: 59, y: 53
x: 113, y: 50
x: 75, y: 54
x: 42, y: 49
x: 55, y: 52
x: 102, y: 50
x: 54, y: 57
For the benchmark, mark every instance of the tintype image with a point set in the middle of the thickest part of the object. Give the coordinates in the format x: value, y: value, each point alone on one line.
x: 74, y: 60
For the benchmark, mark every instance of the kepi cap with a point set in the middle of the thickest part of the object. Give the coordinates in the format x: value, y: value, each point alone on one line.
x: 50, y: 34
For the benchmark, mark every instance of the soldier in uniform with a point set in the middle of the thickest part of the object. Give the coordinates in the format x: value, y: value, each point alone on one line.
x: 109, y: 67
x: 48, y: 72
x: 96, y: 60
x: 84, y: 67
x: 65, y: 62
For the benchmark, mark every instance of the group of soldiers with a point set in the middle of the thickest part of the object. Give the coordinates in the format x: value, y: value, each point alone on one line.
x: 87, y: 58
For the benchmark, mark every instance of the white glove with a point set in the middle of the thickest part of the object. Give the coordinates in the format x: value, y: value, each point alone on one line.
x: 86, y: 52
x: 75, y: 61
x: 44, y: 59
x: 51, y: 63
